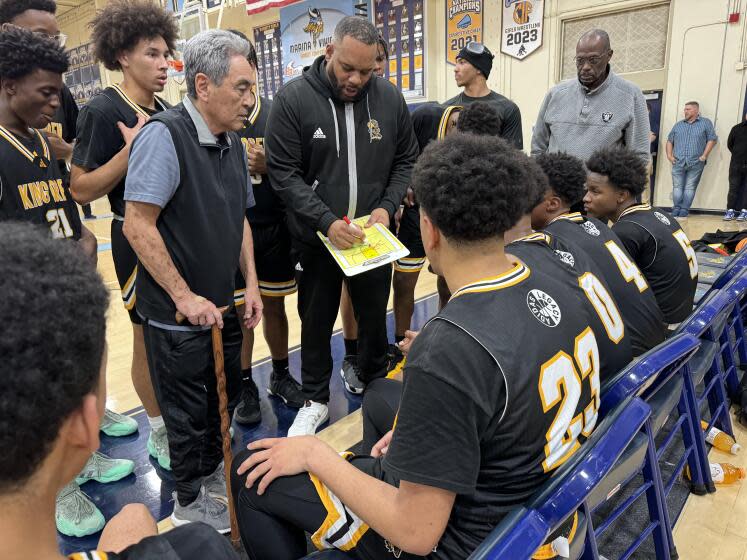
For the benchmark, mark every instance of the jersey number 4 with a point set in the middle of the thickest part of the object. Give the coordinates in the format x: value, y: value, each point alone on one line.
x: 58, y: 223
x: 628, y: 269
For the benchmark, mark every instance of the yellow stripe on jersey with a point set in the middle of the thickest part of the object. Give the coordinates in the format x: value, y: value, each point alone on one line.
x: 255, y: 111
x: 336, y: 520
x: 134, y: 106
x: 636, y: 208
x: 92, y: 555
x: 548, y: 551
x: 445, y: 120
x: 517, y: 274
x: 570, y: 216
x: 128, y: 291
x: 13, y: 141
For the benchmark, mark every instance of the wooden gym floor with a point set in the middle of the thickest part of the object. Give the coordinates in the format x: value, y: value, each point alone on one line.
x: 710, y: 527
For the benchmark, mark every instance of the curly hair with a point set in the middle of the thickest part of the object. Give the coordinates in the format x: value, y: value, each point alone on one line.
x: 623, y: 169
x: 11, y: 9
x: 22, y: 52
x: 472, y: 187
x: 538, y: 186
x: 53, y: 307
x: 566, y: 175
x: 480, y: 118
x: 121, y: 24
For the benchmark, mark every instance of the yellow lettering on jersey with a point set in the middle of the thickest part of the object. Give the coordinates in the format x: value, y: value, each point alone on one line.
x: 44, y: 187
x: 23, y: 191
x: 55, y: 128
x: 58, y: 191
x: 36, y: 194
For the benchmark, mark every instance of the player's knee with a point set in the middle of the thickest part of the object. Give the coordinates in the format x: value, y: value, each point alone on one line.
x: 137, y: 512
x: 241, y: 494
x: 273, y: 307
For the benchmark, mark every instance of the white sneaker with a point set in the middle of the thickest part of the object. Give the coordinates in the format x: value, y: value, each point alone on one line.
x: 309, y: 418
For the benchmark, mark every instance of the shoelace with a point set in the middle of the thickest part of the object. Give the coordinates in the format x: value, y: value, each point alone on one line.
x: 76, y: 504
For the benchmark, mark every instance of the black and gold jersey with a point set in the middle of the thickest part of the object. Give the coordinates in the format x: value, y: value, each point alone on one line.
x: 607, y: 257
x: 501, y: 387
x: 99, y: 138
x: 269, y: 208
x: 31, y: 185
x: 657, y: 244
x: 536, y: 251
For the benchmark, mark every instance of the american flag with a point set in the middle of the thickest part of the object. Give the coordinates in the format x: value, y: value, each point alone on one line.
x: 256, y: 6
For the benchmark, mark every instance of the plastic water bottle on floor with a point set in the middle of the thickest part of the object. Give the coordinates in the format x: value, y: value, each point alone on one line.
x: 726, y: 473
x: 720, y: 440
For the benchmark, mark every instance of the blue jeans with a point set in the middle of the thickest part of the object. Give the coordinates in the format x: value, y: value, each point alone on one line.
x: 685, y: 179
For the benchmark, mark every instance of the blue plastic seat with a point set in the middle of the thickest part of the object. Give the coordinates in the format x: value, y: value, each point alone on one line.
x: 660, y: 377
x: 523, y: 531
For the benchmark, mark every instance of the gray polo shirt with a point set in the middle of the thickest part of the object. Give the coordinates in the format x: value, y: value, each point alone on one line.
x: 153, y: 172
x: 579, y: 121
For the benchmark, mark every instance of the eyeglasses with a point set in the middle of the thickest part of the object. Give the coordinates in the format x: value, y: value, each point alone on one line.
x: 60, y: 38
x: 580, y: 61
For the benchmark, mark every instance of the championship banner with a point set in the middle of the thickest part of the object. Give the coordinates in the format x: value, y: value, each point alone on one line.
x: 267, y: 45
x: 257, y: 6
x: 306, y: 29
x: 463, y: 26
x: 522, y: 27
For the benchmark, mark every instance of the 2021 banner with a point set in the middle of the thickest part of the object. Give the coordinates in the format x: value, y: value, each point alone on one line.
x: 463, y: 26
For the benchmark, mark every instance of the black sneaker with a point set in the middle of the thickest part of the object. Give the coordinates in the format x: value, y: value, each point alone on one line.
x: 283, y: 386
x: 393, y: 357
x: 350, y: 374
x: 248, y: 411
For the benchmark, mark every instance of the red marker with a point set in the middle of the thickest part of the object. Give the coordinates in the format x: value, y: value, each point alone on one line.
x: 347, y: 220
x: 352, y: 225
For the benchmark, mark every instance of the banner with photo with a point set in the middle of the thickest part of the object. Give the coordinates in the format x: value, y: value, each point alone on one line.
x: 306, y: 29
x: 402, y: 25
x: 269, y: 58
x: 522, y: 27
x: 464, y: 25
x: 83, y: 76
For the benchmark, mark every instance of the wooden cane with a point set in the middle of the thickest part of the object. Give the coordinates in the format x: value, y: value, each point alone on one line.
x: 225, y: 421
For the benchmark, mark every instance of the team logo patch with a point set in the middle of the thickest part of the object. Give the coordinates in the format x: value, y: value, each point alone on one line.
x: 606, y: 116
x: 544, y: 308
x: 374, y: 132
x: 566, y: 257
x: 591, y: 229
x: 662, y: 218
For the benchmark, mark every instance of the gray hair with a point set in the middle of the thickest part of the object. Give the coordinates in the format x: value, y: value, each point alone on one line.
x: 209, y: 52
x: 358, y: 28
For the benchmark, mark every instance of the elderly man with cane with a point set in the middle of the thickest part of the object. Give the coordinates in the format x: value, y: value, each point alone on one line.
x: 187, y: 189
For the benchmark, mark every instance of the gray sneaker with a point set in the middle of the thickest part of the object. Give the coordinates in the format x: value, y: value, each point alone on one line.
x: 158, y: 447
x: 350, y: 374
x: 215, y: 484
x: 206, y: 509
x: 75, y: 514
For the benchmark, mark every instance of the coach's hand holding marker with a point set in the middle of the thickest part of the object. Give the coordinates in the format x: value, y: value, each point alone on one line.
x: 344, y: 234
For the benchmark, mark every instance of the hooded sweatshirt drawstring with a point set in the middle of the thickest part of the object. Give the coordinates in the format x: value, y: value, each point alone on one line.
x: 368, y: 109
x: 337, y: 127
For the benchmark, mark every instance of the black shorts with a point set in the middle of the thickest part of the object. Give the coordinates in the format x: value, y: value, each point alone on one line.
x: 409, y: 235
x: 272, y: 258
x: 125, y: 265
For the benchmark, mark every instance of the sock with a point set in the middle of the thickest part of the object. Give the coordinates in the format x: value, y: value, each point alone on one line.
x: 398, y: 339
x: 246, y: 378
x: 351, y: 347
x: 156, y: 423
x: 280, y: 366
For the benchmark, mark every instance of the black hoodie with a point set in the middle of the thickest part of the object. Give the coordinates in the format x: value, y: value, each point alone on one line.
x: 327, y: 158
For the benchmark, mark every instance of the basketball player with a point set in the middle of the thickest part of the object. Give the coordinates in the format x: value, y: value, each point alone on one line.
x: 38, y: 16
x: 652, y: 237
x: 571, y: 232
x: 275, y: 270
x: 134, y: 37
x: 471, y: 441
x: 62, y: 363
x: 32, y: 190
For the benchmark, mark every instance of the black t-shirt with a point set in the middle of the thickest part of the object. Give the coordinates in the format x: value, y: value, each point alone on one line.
x: 99, y: 139
x: 507, y: 110
x: 63, y: 124
x: 644, y: 322
x: 657, y: 244
x: 31, y: 185
x: 269, y: 208
x: 196, y: 541
x: 472, y: 419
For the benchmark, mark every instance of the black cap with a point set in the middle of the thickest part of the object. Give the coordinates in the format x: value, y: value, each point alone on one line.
x: 483, y: 61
